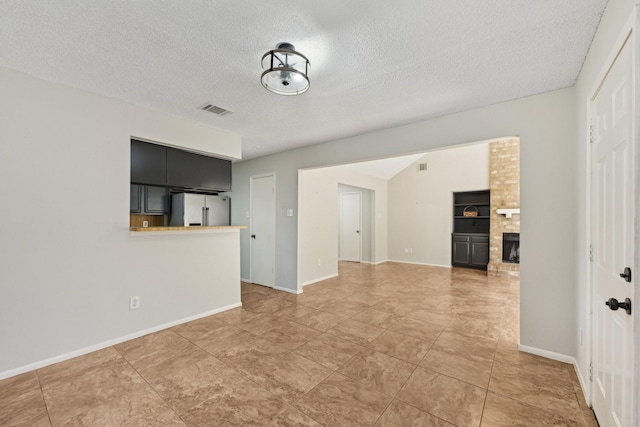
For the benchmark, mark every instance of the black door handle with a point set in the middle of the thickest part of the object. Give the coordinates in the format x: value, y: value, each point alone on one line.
x: 253, y: 236
x: 614, y: 304
x: 358, y: 231
x: 627, y: 274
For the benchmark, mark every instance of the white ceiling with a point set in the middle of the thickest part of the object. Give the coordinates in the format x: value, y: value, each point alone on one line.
x: 374, y: 64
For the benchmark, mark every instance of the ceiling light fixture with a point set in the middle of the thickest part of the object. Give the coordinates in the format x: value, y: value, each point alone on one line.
x: 285, y: 71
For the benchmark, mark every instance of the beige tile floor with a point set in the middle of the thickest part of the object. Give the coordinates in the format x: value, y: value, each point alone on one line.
x: 387, y: 345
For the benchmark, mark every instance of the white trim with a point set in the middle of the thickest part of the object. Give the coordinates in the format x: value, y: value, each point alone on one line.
x: 548, y: 354
x: 275, y: 220
x: 291, y: 291
x: 109, y: 343
x: 320, y: 279
x: 245, y: 280
x: 583, y: 383
x: 419, y: 263
x: 379, y: 262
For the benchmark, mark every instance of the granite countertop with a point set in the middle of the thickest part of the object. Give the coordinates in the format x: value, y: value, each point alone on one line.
x: 196, y: 228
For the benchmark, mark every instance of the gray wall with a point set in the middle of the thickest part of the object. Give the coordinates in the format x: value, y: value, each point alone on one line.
x: 546, y: 125
x: 69, y: 263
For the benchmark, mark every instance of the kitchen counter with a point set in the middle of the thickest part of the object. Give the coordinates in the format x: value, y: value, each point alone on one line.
x: 196, y: 228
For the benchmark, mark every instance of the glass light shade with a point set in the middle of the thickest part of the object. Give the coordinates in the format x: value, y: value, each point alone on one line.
x: 285, y: 71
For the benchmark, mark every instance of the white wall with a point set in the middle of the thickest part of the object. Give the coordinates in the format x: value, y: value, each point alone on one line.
x: 318, y: 219
x: 367, y: 218
x: 546, y: 125
x: 420, y: 202
x: 617, y: 14
x: 68, y: 263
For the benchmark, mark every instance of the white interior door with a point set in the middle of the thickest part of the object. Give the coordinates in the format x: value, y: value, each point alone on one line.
x: 263, y: 229
x: 612, y: 229
x: 350, y: 226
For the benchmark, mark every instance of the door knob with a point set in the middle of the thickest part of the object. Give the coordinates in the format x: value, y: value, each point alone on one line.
x: 614, y: 304
x: 253, y: 236
x: 358, y: 231
x: 627, y: 274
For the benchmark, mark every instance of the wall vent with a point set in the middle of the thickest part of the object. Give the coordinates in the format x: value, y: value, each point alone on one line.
x: 216, y: 110
x: 422, y: 167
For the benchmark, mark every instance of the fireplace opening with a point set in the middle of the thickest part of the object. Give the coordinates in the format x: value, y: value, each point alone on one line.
x: 511, y: 248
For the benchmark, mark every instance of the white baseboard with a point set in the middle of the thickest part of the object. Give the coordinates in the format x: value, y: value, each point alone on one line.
x: 320, y: 279
x: 245, y: 280
x: 583, y: 384
x: 548, y: 354
x: 291, y: 291
x: 380, y: 262
x: 419, y: 263
x: 105, y: 344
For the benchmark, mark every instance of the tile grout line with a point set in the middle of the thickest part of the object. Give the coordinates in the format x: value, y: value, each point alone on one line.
x: 241, y: 372
x: 44, y: 400
x: 150, y: 386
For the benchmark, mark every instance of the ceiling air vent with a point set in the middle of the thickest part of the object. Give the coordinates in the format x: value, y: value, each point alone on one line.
x: 216, y: 110
x: 422, y: 167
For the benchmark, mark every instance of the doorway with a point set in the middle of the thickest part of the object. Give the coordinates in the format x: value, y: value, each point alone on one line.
x: 263, y: 229
x: 350, y: 241
x: 612, y: 231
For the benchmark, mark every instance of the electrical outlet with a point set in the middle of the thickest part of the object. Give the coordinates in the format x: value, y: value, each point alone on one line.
x: 406, y: 250
x: 410, y: 250
x: 319, y: 262
x: 134, y: 303
x: 145, y: 224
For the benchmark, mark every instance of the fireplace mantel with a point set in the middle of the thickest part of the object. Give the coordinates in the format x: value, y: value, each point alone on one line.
x: 508, y: 212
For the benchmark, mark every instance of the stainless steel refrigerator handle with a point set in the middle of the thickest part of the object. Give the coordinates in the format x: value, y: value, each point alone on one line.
x: 204, y: 216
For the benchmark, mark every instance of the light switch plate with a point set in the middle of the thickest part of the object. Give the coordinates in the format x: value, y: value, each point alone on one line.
x: 289, y: 212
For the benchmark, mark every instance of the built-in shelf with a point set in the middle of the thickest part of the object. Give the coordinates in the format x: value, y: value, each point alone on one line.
x: 470, y: 237
x: 508, y: 212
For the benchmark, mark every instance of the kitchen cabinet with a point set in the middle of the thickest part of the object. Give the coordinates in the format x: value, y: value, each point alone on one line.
x: 136, y: 199
x: 470, y: 237
x: 470, y: 250
x: 148, y: 163
x: 149, y: 200
x: 195, y: 171
x: 157, y: 165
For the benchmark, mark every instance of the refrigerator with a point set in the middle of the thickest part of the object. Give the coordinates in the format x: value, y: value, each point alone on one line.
x: 188, y: 209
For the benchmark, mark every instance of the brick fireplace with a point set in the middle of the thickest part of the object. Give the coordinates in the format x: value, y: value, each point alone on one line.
x: 504, y: 182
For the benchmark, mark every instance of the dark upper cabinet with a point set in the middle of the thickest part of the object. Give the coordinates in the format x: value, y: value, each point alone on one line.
x: 190, y: 170
x: 148, y: 163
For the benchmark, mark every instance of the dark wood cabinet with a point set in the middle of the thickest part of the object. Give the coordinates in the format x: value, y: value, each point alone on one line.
x: 148, y: 163
x: 149, y: 200
x: 156, y: 200
x: 157, y: 165
x: 470, y: 237
x: 191, y: 170
x: 136, y: 198
x: 470, y: 250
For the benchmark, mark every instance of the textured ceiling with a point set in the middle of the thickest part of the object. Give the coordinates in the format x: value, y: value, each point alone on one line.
x: 374, y: 64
